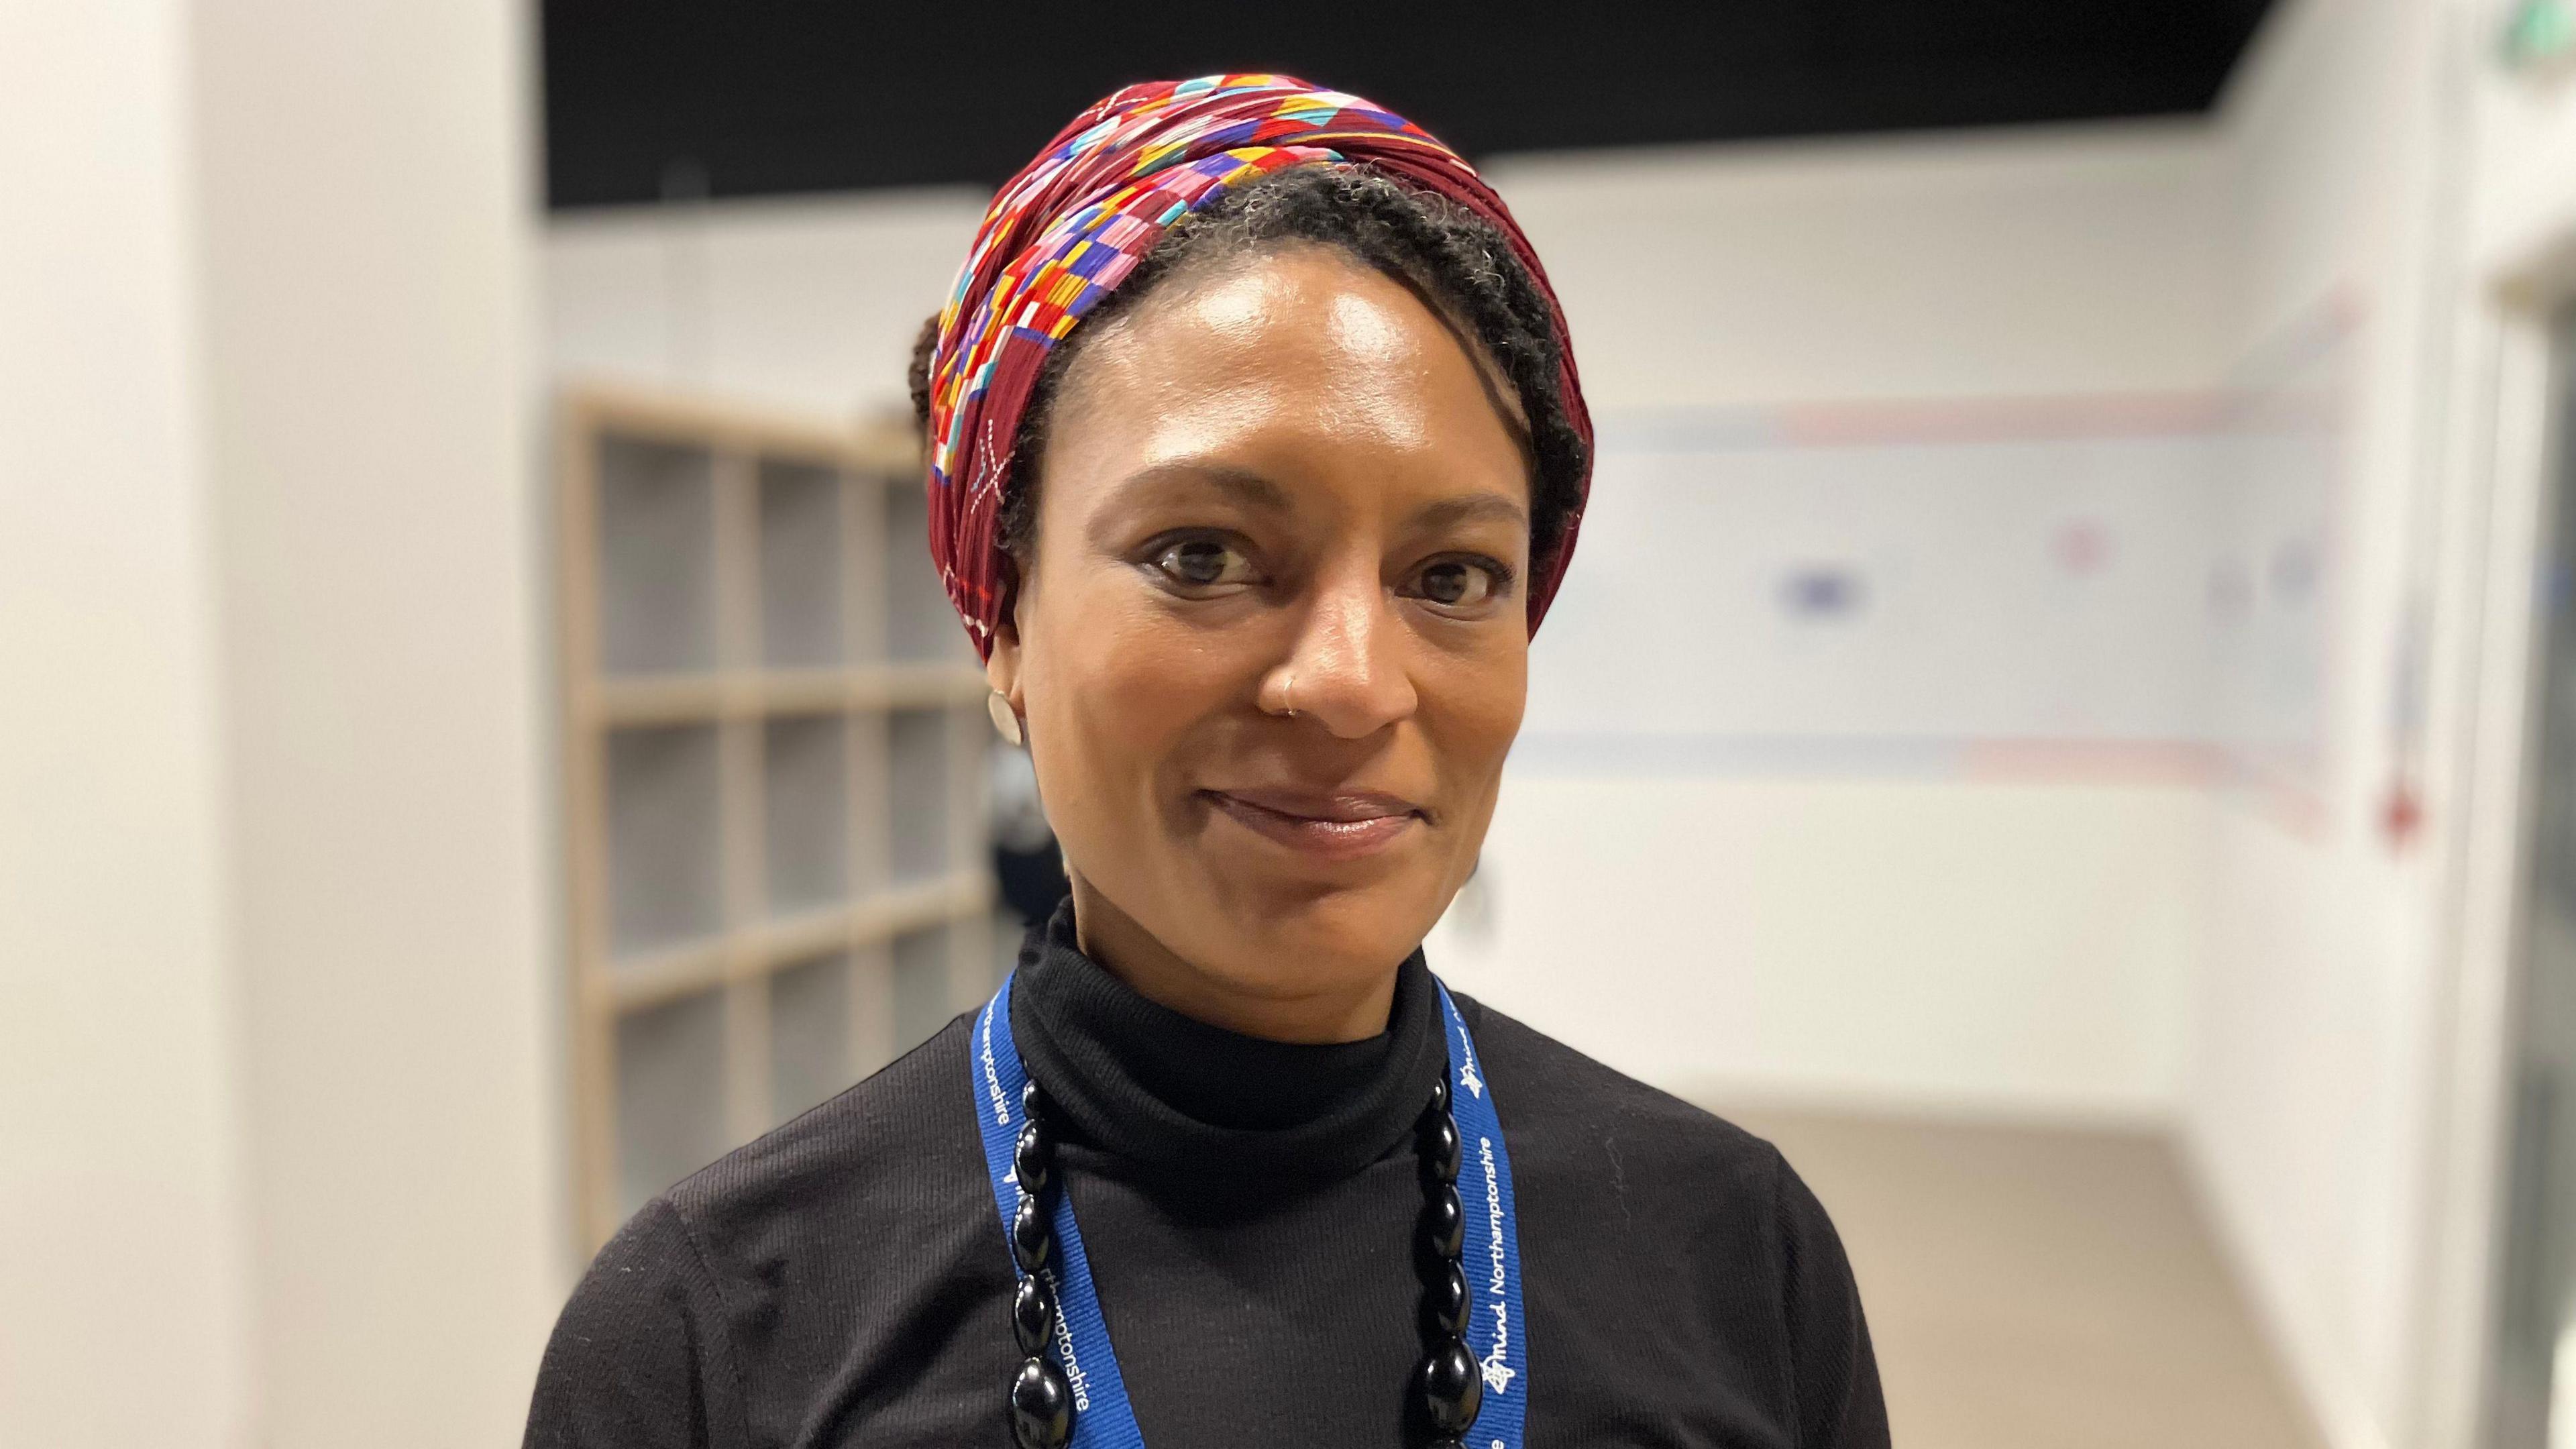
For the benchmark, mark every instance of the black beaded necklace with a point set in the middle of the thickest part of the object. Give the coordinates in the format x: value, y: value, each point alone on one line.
x: 1447, y: 1388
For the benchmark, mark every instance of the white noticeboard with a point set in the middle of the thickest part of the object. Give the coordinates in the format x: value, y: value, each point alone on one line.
x: 1766, y: 591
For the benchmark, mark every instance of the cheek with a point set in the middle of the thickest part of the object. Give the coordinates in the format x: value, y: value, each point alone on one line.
x: 1471, y: 712
x: 1487, y: 730
x: 1114, y: 694
x: 1477, y: 701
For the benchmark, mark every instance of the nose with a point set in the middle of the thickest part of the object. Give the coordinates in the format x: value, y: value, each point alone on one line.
x: 1347, y: 668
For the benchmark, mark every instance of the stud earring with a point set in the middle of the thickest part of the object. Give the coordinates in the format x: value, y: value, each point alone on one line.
x: 1006, y: 720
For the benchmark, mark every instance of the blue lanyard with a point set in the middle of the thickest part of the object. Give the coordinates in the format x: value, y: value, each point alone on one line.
x: 1496, y: 1330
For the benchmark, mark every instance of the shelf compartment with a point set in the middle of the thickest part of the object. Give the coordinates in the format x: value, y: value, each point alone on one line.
x: 657, y: 977
x: 679, y: 699
x: 972, y: 969
x: 872, y: 1034
x: 971, y: 748
x: 920, y: 981
x: 657, y: 557
x: 805, y: 819
x: 665, y: 865
x: 919, y: 792
x: 810, y: 1055
x: 920, y: 624
x: 688, y: 419
x: 747, y: 603
x: 871, y: 834
x: 670, y: 1095
x: 803, y: 616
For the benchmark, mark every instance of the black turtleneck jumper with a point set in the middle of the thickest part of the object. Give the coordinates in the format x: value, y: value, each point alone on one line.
x: 1248, y: 1208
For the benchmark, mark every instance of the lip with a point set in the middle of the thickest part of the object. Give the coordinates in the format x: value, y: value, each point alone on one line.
x: 1329, y: 825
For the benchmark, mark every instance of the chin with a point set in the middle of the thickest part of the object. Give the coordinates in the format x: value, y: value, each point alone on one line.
x: 1310, y: 938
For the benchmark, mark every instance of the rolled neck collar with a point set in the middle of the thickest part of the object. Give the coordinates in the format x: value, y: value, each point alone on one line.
x: 1164, y: 1091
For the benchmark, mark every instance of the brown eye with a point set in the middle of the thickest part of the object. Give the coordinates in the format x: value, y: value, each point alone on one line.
x: 1456, y: 584
x: 1202, y: 563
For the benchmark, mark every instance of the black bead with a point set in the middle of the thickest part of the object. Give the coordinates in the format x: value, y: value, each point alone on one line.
x: 1041, y: 1406
x: 1033, y: 1235
x: 1451, y: 1388
x: 1442, y: 1233
x: 1439, y: 1149
x: 1033, y: 1160
x: 1440, y: 1091
x: 1032, y: 1101
x: 1445, y: 1302
x: 1033, y: 1315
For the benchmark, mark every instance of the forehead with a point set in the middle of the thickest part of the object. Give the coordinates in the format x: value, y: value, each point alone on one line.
x: 1306, y: 351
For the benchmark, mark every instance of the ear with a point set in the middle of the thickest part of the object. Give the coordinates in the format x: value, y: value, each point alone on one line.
x: 1002, y: 665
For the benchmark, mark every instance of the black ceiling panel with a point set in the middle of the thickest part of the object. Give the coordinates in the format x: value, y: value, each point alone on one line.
x: 647, y: 99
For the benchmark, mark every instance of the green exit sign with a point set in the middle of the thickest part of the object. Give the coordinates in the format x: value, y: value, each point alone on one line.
x: 2540, y: 34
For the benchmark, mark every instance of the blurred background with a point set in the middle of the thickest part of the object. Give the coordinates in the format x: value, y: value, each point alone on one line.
x: 2066, y: 715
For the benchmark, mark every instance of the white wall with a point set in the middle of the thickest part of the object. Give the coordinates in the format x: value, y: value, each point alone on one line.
x: 2086, y: 262
x: 122, y: 1281
x: 2305, y: 1061
x: 806, y: 304
x: 2029, y: 933
x: 2066, y: 261
x: 366, y: 185
x: 2345, y: 1052
x: 276, y: 976
x: 1924, y: 943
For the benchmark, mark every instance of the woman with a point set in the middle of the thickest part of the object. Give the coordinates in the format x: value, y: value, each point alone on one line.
x: 1256, y: 452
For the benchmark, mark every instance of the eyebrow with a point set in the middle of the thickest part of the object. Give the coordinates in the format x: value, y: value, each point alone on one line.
x: 1240, y: 485
x: 1469, y: 509
x: 1252, y: 490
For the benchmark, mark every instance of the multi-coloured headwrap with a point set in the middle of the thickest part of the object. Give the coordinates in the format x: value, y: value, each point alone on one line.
x: 1067, y: 230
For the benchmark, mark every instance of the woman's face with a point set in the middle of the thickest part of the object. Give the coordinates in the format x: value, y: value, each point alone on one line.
x: 1281, y: 482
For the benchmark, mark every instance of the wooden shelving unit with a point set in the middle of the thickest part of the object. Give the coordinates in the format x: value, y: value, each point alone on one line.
x: 774, y: 765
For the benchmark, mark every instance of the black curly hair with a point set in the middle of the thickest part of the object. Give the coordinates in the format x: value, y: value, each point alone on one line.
x: 1446, y: 254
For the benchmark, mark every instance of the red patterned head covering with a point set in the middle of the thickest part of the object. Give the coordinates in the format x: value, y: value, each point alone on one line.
x: 1067, y: 230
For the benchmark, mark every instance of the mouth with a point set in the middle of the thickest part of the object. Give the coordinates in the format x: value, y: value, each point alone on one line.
x: 1328, y: 825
